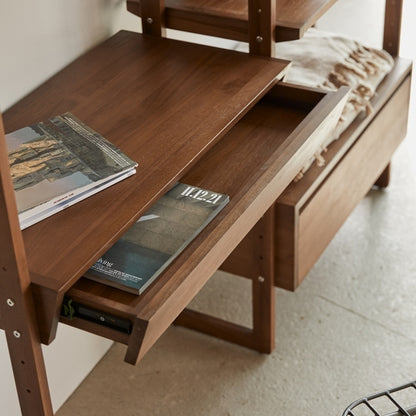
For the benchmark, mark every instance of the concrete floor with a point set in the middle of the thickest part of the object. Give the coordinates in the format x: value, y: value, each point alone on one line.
x: 348, y: 331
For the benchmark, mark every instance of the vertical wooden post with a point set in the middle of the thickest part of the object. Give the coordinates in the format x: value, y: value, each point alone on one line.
x: 261, y: 337
x: 392, y: 26
x: 391, y: 43
x: 384, y: 179
x: 261, y: 24
x: 263, y: 286
x: 286, y: 244
x: 17, y: 311
x: 153, y: 17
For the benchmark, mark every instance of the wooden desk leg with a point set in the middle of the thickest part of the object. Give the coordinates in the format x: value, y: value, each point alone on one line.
x: 29, y: 371
x: 263, y: 286
x: 384, y: 179
x: 17, y: 310
x: 261, y: 336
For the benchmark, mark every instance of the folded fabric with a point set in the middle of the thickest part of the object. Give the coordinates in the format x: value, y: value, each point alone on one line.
x: 328, y: 61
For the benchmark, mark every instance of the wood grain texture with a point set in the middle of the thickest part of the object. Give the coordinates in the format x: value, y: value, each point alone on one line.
x: 294, y: 100
x: 392, y: 26
x: 264, y: 151
x: 286, y: 246
x: 48, y: 308
x: 307, y: 225
x: 217, y: 327
x: 229, y: 18
x: 153, y: 20
x: 143, y: 94
x: 325, y: 213
x: 291, y: 201
x: 261, y: 27
x: 261, y: 336
x: 17, y: 310
x: 263, y: 296
x: 242, y: 261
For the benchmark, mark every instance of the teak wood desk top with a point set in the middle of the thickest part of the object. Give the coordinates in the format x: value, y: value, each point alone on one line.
x: 164, y: 103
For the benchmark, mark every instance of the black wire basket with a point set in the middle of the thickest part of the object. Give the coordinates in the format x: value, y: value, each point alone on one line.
x: 397, y: 401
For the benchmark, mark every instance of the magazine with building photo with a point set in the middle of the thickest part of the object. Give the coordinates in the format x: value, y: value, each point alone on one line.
x: 157, y: 238
x: 59, y: 162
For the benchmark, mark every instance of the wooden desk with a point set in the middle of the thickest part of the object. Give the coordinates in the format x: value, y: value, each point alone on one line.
x: 212, y: 117
x: 135, y: 91
x: 209, y: 117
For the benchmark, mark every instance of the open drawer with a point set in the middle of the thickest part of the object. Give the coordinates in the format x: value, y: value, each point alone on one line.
x: 253, y: 163
x: 309, y: 212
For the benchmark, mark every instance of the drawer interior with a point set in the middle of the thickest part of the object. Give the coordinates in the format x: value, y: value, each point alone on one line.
x: 300, y: 240
x: 253, y: 163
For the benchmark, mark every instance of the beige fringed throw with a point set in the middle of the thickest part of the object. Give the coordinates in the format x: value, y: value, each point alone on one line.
x: 329, y: 61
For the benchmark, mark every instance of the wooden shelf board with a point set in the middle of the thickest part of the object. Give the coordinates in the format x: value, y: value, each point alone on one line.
x: 144, y: 95
x: 229, y: 18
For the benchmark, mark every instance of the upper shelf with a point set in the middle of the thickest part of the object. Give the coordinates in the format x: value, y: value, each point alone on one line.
x: 144, y: 94
x: 229, y: 19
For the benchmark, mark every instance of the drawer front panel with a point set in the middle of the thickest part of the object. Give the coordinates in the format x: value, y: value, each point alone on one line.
x: 291, y: 120
x: 352, y: 178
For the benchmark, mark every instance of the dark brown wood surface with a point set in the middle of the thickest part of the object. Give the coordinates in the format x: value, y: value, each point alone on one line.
x: 17, y: 309
x: 163, y: 103
x: 153, y: 21
x: 253, y: 163
x: 166, y: 105
x: 229, y: 18
x: 263, y: 294
x: 383, y: 180
x: 392, y: 26
x: 261, y: 336
x: 330, y: 206
x: 296, y: 195
x: 261, y: 19
x: 310, y: 212
x: 299, y: 192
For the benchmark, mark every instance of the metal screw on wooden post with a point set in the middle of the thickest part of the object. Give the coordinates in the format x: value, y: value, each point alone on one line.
x: 259, y: 39
x: 10, y: 302
x: 149, y: 20
x: 261, y: 279
x: 17, y: 334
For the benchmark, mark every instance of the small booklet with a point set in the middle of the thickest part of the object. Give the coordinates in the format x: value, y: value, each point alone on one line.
x: 59, y: 162
x: 157, y: 238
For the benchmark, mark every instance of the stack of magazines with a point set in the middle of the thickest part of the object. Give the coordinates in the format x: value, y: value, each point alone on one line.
x: 59, y: 162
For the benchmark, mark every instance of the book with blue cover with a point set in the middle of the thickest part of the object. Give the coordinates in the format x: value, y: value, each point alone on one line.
x: 157, y: 238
